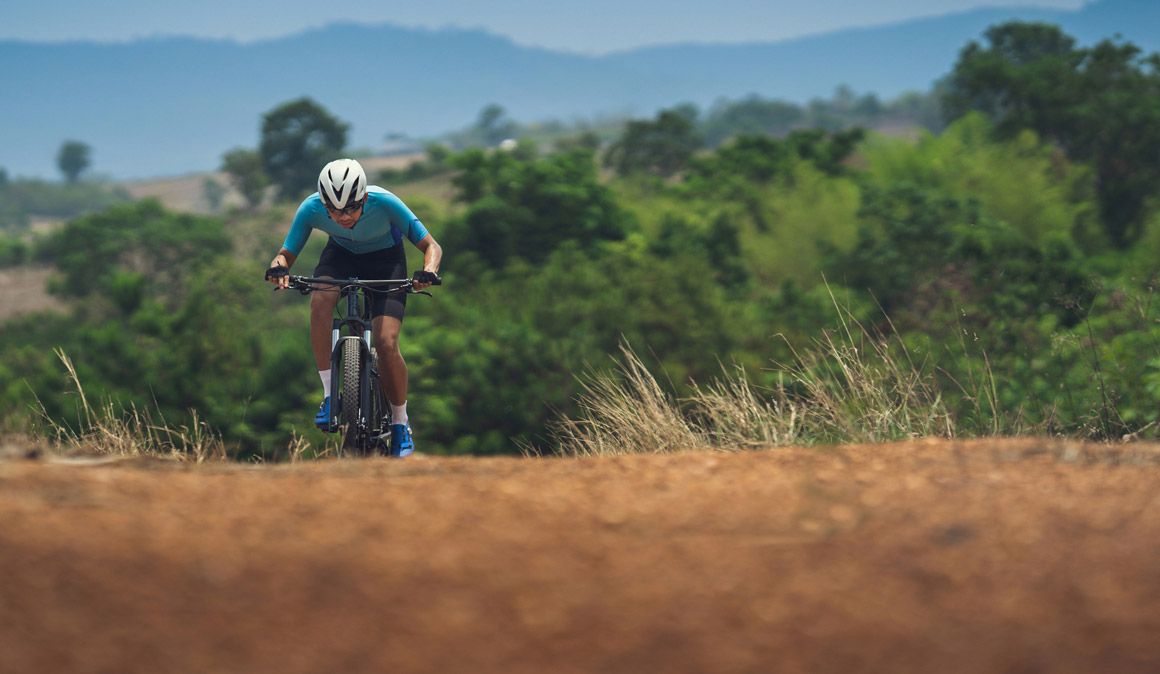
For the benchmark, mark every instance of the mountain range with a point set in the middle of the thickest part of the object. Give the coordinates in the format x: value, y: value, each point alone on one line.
x: 168, y: 106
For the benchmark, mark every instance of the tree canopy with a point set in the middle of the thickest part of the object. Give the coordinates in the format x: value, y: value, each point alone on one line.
x: 72, y: 159
x: 659, y: 147
x: 1100, y: 104
x: 298, y: 139
x: 247, y: 175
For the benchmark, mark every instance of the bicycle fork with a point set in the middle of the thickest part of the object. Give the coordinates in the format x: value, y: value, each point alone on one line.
x: 365, y: 372
x: 334, y: 337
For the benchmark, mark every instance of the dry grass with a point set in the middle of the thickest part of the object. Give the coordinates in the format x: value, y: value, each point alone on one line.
x: 107, y: 429
x: 859, y: 388
x: 301, y: 450
x: 626, y: 414
x: 850, y: 387
x: 737, y: 415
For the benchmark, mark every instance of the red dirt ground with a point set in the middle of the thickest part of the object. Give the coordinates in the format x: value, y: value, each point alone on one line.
x: 925, y: 556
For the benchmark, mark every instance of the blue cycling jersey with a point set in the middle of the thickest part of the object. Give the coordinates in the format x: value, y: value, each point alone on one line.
x: 385, y: 221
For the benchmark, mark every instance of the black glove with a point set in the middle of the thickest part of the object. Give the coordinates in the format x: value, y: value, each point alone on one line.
x: 427, y: 277
x: 276, y: 272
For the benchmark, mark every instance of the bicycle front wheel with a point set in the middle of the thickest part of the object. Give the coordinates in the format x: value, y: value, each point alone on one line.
x: 348, y: 415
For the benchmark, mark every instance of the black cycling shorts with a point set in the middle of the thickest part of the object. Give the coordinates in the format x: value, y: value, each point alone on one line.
x: 388, y: 263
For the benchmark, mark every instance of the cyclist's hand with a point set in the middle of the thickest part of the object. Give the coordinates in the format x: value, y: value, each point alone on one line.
x: 279, y: 276
x: 425, y: 279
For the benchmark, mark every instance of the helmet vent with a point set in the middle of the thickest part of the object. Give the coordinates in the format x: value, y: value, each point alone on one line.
x: 342, y: 182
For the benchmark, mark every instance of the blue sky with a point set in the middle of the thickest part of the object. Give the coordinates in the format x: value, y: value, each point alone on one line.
x: 586, y: 26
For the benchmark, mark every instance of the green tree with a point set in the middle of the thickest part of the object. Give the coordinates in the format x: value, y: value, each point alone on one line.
x: 72, y: 160
x: 524, y: 206
x: 130, y: 252
x: 298, y: 139
x: 1025, y: 78
x: 247, y: 174
x: 1102, y: 105
x: 1023, y: 181
x: 1118, y: 123
x: 585, y: 140
x: 760, y: 159
x: 920, y: 251
x: 661, y: 147
x: 750, y: 116
x: 493, y: 125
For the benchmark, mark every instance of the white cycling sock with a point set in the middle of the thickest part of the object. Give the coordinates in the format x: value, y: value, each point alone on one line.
x: 324, y: 375
x: 399, y: 413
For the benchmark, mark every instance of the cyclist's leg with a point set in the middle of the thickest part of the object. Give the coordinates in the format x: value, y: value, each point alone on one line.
x: 321, y: 319
x: 388, y: 310
x: 321, y: 312
x: 392, y: 367
x: 334, y: 262
x: 393, y: 377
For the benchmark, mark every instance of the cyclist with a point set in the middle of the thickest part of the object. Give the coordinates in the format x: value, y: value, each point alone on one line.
x: 367, y: 225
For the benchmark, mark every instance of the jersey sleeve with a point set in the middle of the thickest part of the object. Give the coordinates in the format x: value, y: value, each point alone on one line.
x: 299, y: 230
x: 406, y: 221
x: 417, y: 232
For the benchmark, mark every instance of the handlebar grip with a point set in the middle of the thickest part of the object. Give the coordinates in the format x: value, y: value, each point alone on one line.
x: 427, y: 277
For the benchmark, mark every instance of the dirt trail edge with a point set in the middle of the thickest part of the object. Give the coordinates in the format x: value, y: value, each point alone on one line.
x: 925, y: 556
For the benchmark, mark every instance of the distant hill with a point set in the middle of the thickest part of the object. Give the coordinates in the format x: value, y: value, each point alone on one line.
x: 167, y: 106
x: 886, y: 60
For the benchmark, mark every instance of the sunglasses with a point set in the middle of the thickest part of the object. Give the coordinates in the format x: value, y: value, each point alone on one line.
x: 350, y: 208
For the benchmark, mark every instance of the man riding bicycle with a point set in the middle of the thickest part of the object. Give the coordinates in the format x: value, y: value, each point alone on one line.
x: 367, y: 225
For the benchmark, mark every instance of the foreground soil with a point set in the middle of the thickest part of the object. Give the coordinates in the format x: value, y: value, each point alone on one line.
x: 1011, y: 556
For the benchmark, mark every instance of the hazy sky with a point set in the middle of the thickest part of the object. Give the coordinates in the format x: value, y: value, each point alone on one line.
x: 589, y: 26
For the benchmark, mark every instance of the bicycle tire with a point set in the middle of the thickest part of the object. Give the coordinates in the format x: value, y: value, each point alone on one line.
x: 376, y: 406
x: 365, y: 443
x: 349, y: 404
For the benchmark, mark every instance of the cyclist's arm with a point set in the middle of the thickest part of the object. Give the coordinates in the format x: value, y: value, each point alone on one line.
x: 285, y: 259
x: 417, y: 234
x: 309, y: 212
x: 432, y: 257
x: 296, y: 238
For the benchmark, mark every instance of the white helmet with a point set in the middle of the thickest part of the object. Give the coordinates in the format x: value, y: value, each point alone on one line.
x: 342, y: 182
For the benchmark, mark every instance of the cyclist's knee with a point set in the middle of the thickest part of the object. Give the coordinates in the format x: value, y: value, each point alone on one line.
x: 323, y: 303
x: 387, y: 344
x: 386, y: 337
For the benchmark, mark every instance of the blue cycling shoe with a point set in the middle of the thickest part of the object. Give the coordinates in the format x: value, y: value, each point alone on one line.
x: 402, y: 444
x: 322, y: 419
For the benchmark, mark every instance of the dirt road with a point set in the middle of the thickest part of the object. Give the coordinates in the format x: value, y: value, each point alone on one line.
x: 1014, y: 556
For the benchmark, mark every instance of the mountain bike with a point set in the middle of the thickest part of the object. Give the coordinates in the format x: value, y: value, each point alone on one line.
x: 356, y: 401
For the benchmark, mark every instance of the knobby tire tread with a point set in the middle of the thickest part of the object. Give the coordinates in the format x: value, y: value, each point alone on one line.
x: 378, y: 406
x: 348, y: 418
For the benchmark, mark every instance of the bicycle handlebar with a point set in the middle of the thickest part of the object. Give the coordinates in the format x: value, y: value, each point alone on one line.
x: 308, y: 284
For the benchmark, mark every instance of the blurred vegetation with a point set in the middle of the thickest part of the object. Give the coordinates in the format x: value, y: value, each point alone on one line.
x: 298, y: 138
x: 979, y: 277
x: 22, y: 200
x: 1097, y: 104
x: 73, y: 158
